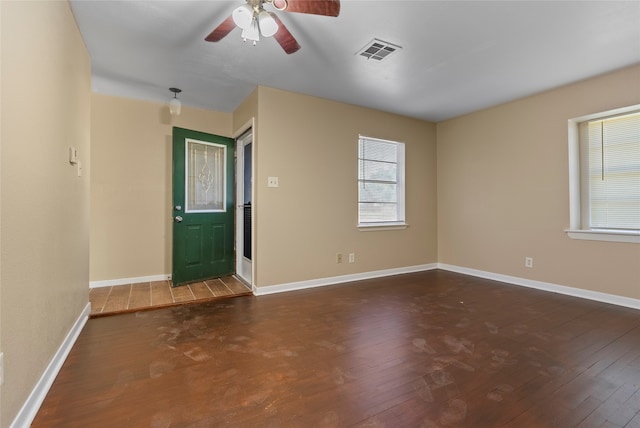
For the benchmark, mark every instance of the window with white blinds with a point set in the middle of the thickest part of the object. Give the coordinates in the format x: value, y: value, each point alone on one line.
x: 380, y: 182
x: 614, y: 172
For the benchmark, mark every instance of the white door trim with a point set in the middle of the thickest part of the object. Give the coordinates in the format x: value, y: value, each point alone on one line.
x: 244, y: 266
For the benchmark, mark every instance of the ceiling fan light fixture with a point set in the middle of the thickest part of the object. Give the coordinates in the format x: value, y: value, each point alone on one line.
x: 267, y: 23
x: 254, y: 21
x: 243, y: 16
x: 252, y: 32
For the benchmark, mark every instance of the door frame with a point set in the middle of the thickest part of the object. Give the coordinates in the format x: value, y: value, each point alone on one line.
x: 239, y: 152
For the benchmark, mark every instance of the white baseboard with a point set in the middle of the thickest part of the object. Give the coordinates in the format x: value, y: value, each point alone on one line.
x: 321, y: 282
x: 301, y: 285
x: 30, y: 407
x: 125, y: 281
x: 546, y: 286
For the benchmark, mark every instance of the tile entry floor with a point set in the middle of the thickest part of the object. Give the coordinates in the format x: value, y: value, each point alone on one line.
x: 119, y: 299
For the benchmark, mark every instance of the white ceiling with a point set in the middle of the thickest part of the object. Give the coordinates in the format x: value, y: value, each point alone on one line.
x: 457, y: 56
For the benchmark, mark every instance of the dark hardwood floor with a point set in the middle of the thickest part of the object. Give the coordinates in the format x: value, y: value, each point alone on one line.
x: 430, y: 349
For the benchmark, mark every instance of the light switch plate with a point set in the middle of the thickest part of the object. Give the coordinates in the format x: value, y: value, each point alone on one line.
x: 272, y: 181
x: 73, y: 155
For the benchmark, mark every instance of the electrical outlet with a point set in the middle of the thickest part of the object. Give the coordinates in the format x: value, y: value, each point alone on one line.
x: 338, y: 257
x: 1, y: 368
x: 528, y: 262
x: 352, y: 257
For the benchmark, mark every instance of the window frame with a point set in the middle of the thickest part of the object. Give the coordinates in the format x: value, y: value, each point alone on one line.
x: 400, y: 189
x: 579, y: 210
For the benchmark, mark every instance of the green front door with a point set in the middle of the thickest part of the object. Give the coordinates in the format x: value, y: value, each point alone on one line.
x: 203, y: 204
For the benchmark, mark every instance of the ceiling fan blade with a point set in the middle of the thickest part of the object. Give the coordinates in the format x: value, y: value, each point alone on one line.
x: 315, y: 7
x: 285, y: 38
x: 221, y: 30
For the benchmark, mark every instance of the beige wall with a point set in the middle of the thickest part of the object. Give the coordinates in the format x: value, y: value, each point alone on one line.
x: 131, y: 223
x: 1, y: 199
x: 311, y: 144
x: 503, y: 191
x: 246, y: 112
x: 45, y: 205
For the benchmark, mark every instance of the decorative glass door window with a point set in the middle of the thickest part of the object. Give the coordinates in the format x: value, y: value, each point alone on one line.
x: 205, y: 177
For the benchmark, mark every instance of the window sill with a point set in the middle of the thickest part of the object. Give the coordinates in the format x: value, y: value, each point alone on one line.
x: 605, y: 235
x: 372, y: 227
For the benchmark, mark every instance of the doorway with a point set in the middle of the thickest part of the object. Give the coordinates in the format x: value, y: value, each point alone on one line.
x: 245, y: 208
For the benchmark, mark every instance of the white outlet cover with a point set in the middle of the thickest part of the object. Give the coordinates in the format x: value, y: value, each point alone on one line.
x: 272, y: 181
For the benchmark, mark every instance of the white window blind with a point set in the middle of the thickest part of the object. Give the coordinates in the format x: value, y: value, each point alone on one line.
x: 380, y: 181
x: 614, y: 172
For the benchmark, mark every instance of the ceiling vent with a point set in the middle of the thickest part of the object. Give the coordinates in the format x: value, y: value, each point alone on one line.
x: 378, y: 50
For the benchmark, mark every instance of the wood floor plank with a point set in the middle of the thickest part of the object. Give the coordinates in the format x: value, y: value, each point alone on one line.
x: 635, y: 422
x: 218, y: 288
x: 234, y: 284
x: 200, y: 290
x: 182, y: 294
x: 140, y: 295
x: 611, y: 409
x: 161, y: 293
x: 417, y: 350
x: 118, y: 299
x: 98, y: 297
x: 624, y: 412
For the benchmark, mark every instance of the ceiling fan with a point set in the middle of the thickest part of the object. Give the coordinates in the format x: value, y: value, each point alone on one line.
x: 255, y: 21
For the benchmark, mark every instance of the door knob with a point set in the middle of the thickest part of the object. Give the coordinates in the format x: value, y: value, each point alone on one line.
x: 178, y: 219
